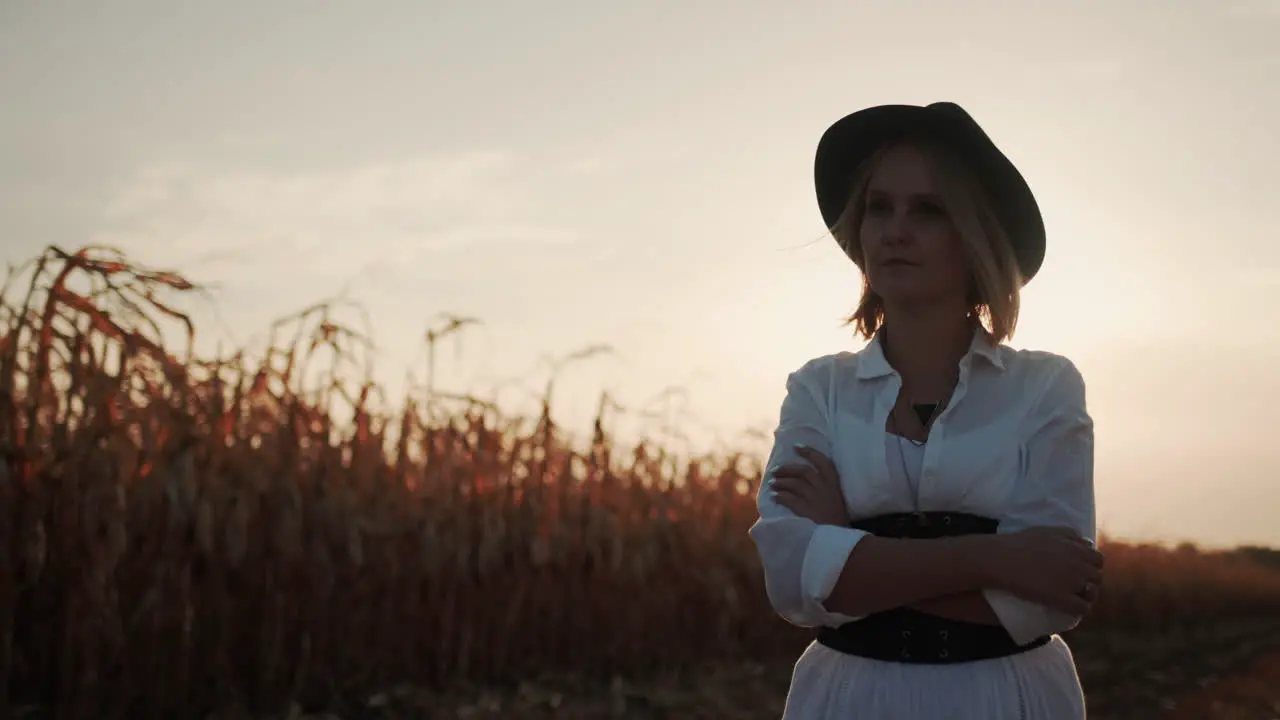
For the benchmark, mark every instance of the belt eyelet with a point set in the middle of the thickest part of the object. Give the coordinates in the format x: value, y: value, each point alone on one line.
x: 942, y: 654
x: 906, y: 634
x: 942, y: 634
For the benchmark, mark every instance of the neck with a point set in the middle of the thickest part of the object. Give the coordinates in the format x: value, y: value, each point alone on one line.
x: 925, y: 346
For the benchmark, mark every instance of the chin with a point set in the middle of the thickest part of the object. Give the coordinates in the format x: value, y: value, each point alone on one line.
x: 902, y: 290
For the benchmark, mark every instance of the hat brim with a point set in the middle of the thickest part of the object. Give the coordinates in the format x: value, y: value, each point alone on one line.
x: 850, y: 141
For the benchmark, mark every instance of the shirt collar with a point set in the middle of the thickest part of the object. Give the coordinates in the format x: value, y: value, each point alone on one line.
x: 873, y: 364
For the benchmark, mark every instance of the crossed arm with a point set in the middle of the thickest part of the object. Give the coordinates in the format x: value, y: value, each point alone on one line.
x: 931, y: 576
x: 970, y: 606
x: 826, y: 573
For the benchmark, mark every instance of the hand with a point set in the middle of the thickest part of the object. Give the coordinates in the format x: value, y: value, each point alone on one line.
x: 1053, y: 566
x: 811, y: 488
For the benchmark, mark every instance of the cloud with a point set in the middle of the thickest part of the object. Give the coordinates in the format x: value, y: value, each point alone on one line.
x: 324, y: 223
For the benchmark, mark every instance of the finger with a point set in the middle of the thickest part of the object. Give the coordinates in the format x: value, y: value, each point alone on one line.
x: 786, y: 499
x: 1092, y: 596
x: 785, y: 483
x: 795, y: 469
x: 1090, y: 557
x: 1088, y: 579
x: 1094, y: 577
x: 1073, y: 537
x: 1071, y: 604
x: 819, y: 460
x: 1077, y: 572
x: 794, y: 502
x: 801, y: 470
x: 1088, y: 588
x: 1092, y: 593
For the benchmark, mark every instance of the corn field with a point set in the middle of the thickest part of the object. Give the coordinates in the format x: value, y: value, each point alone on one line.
x: 182, y: 533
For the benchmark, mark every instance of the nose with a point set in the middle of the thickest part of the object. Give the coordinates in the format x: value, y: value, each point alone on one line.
x: 896, y: 230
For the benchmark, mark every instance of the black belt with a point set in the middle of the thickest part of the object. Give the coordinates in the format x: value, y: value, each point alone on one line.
x: 910, y: 636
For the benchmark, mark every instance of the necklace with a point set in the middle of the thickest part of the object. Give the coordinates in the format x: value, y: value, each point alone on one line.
x: 926, y: 424
x: 926, y: 420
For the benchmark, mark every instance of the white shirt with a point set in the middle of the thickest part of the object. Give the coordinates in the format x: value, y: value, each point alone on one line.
x: 1015, y: 443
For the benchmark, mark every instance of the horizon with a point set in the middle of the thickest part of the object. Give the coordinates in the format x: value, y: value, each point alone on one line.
x: 430, y: 158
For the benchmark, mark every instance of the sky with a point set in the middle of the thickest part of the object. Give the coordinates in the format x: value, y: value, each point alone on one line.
x: 640, y: 175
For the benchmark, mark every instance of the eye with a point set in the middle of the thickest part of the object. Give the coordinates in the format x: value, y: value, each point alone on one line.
x: 930, y: 208
x: 879, y: 206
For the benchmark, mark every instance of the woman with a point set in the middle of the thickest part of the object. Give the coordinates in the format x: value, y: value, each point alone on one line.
x: 928, y: 503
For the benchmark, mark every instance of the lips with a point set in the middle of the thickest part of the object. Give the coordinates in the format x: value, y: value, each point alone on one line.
x: 897, y: 262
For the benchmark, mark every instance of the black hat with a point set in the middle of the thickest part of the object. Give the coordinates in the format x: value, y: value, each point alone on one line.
x: 852, y: 139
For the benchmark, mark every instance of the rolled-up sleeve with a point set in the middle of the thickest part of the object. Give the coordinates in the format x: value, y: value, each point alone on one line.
x: 1056, y: 490
x: 802, y: 560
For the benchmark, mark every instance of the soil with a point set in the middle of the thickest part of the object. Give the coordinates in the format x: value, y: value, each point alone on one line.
x: 1229, y: 672
x: 1224, y: 672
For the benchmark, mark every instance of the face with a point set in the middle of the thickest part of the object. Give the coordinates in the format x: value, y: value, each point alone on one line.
x: 912, y: 251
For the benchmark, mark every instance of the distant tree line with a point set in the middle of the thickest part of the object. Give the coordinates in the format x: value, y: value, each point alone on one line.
x: 1259, y: 554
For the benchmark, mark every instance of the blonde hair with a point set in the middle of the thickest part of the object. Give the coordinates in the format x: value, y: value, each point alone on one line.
x: 994, y: 296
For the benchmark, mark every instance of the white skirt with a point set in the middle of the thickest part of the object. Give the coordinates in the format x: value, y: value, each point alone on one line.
x: 1039, y: 684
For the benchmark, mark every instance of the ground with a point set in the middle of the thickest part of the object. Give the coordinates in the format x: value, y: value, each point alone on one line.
x: 1227, y: 673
